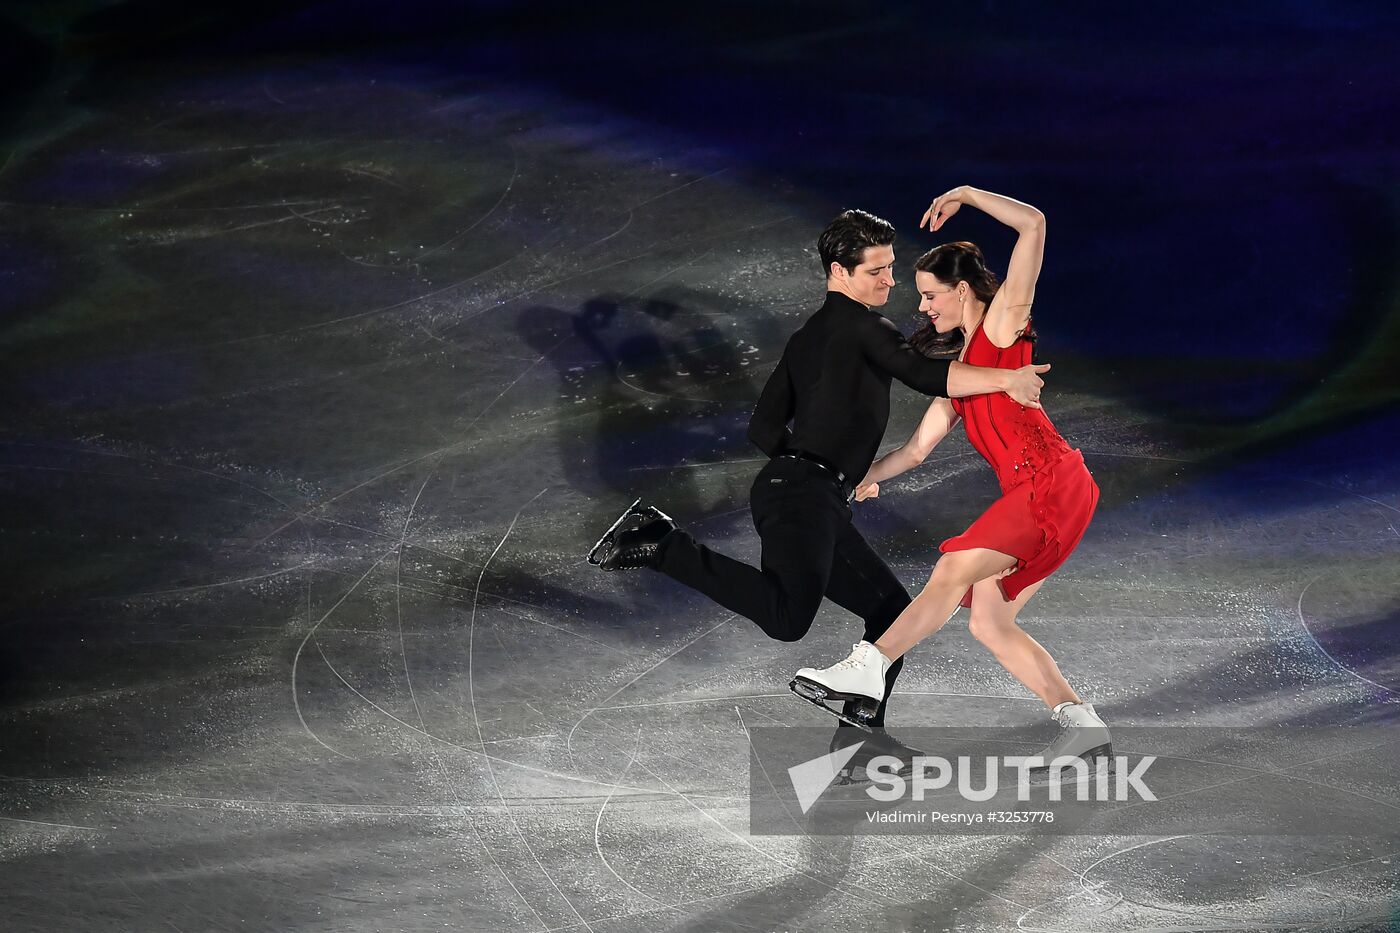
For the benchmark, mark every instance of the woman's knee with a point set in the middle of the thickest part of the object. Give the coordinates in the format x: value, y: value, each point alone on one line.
x: 953, y: 569
x: 988, y: 629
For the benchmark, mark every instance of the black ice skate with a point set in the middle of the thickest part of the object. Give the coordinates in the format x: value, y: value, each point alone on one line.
x: 634, y: 540
x: 874, y: 743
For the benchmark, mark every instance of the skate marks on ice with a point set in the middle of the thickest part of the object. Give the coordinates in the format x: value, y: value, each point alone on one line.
x: 1156, y: 885
x: 422, y: 580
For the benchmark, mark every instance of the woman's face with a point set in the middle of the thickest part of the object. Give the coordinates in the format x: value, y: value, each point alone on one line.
x: 939, y: 302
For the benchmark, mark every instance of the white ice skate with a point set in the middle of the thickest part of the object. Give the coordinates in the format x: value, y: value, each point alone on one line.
x: 860, y: 679
x: 1082, y: 735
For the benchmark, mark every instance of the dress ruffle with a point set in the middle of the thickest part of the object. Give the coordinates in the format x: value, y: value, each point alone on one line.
x: 1039, y: 522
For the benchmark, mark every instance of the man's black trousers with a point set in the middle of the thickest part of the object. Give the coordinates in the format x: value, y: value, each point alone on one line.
x: 810, y: 550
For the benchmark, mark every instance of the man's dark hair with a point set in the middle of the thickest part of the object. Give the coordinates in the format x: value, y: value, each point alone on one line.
x: 846, y: 238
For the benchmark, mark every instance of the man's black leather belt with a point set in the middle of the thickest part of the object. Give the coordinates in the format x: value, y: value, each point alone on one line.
x: 848, y: 488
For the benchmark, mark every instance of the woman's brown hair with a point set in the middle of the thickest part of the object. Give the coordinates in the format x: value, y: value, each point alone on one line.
x: 950, y: 264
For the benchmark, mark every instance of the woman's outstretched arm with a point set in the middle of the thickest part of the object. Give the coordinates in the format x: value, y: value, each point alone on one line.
x: 935, y: 425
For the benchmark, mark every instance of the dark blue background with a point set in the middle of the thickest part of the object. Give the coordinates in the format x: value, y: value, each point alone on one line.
x: 1220, y: 178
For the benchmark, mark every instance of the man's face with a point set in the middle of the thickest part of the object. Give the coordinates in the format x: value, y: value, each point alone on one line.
x: 872, y: 280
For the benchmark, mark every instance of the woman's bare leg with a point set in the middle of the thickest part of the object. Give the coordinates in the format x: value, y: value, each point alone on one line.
x: 993, y: 623
x: 951, y: 577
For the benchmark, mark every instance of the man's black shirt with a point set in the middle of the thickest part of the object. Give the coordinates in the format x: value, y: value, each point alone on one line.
x: 833, y: 384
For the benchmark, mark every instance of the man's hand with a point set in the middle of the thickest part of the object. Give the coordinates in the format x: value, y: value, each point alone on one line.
x: 1024, y: 384
x: 868, y: 491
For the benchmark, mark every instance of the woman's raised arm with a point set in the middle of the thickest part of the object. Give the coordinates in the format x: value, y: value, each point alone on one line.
x: 1011, y: 308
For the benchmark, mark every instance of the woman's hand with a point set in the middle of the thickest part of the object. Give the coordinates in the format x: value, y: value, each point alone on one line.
x: 943, y: 207
x: 867, y: 491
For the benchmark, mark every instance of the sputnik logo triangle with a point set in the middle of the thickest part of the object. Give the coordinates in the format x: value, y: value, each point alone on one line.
x: 811, y: 778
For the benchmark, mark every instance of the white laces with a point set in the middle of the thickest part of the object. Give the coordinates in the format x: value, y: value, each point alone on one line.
x: 853, y: 660
x: 1062, y: 716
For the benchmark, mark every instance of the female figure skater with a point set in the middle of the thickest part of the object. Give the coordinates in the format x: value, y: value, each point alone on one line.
x: 1048, y: 496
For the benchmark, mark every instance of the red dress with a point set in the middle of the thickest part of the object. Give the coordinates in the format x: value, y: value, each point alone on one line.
x: 1047, y: 494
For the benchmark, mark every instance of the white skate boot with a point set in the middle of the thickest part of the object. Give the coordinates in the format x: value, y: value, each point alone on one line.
x: 1082, y: 735
x: 860, y: 679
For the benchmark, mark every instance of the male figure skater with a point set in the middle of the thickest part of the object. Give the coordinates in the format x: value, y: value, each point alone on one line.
x: 833, y: 385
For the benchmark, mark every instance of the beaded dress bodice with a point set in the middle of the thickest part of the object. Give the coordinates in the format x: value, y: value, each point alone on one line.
x: 1017, y: 442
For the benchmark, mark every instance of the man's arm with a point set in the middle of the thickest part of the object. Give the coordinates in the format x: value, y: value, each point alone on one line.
x: 1023, y: 385
x: 888, y: 350
x: 768, y: 428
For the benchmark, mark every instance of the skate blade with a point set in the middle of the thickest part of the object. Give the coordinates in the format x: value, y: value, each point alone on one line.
x: 866, y: 707
x: 826, y: 693
x: 593, y: 553
x: 860, y: 779
x: 1091, y: 757
x: 815, y: 695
